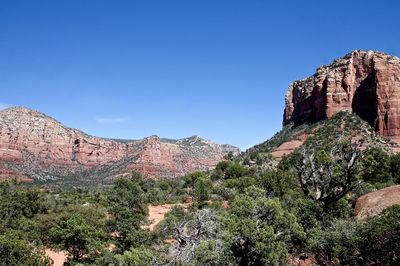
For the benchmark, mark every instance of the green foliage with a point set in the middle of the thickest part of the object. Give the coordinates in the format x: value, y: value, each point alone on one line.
x: 171, y: 218
x: 395, y: 167
x: 211, y: 253
x: 257, y: 158
x: 240, y: 183
x: 128, y: 208
x: 375, y: 242
x: 309, y: 214
x: 364, y: 188
x: 261, y: 231
x: 202, y: 189
x: 381, y: 238
x: 94, y: 215
x: 17, y: 203
x: 279, y: 182
x: 231, y: 169
x: 141, y: 256
x: 191, y: 179
x: 376, y: 166
x: 166, y: 191
x: 15, y: 251
x: 75, y: 235
x: 339, y: 242
x: 326, y: 176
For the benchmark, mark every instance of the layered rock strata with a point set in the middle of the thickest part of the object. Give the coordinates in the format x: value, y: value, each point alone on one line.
x: 366, y: 83
x: 35, y: 146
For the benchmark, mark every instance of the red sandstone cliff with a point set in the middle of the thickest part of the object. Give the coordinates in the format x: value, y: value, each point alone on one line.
x: 35, y: 146
x: 364, y: 82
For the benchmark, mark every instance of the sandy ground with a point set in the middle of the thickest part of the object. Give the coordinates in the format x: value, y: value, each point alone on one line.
x: 57, y: 257
x: 157, y: 213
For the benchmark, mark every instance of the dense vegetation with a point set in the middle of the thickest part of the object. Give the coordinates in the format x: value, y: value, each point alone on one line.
x: 242, y: 213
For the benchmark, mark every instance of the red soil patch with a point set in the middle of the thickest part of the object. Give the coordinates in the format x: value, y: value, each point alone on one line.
x: 157, y: 213
x: 58, y: 257
x: 289, y: 146
x: 297, y: 261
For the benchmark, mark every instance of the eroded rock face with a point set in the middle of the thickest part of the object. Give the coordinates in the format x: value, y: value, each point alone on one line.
x: 376, y: 202
x: 33, y: 145
x: 364, y: 82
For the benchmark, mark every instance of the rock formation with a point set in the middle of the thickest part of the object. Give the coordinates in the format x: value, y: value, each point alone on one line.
x: 364, y: 82
x: 35, y: 146
x: 374, y: 203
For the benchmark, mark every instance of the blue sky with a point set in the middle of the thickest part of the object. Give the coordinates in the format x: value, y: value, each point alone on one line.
x: 218, y: 69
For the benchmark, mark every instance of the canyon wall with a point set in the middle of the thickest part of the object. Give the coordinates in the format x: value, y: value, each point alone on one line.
x: 366, y: 83
x: 35, y: 146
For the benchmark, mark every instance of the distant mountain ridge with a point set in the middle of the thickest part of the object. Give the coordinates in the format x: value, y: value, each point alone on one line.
x: 34, y: 146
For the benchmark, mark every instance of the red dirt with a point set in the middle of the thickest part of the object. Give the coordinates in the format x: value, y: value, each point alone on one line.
x: 289, y: 146
x: 58, y: 257
x: 157, y: 213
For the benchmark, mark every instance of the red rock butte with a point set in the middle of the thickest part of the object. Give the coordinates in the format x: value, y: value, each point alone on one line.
x: 366, y: 83
x: 35, y: 146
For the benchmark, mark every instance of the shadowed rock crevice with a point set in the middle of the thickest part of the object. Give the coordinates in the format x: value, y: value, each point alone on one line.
x: 365, y: 102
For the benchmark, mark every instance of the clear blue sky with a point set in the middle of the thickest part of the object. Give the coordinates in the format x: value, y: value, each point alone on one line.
x: 218, y: 69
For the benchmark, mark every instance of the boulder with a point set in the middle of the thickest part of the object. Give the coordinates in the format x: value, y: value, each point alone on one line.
x: 376, y: 202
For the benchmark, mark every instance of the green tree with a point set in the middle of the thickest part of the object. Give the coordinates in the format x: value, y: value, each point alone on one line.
x: 140, y: 256
x: 203, y: 225
x: 17, y: 202
x: 212, y: 252
x: 231, y: 169
x: 339, y: 242
x: 261, y: 231
x: 81, y: 240
x: 327, y: 176
x: 94, y: 215
x: 15, y: 251
x: 380, y: 236
x: 166, y: 227
x: 376, y: 166
x: 191, y: 179
x: 202, y: 190
x: 240, y: 183
x: 278, y: 182
x: 127, y: 205
x: 395, y: 167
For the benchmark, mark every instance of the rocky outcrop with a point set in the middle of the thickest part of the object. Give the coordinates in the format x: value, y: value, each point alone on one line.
x: 366, y: 83
x: 376, y: 202
x: 35, y: 146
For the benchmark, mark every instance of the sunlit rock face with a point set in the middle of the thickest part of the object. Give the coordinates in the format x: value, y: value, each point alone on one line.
x: 35, y: 146
x: 364, y: 82
x: 374, y: 203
